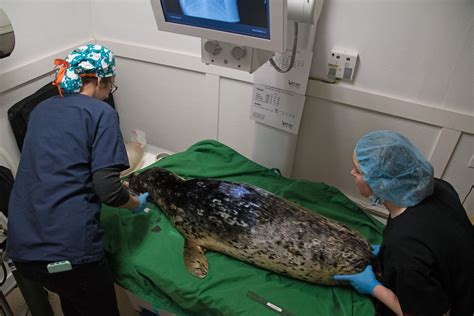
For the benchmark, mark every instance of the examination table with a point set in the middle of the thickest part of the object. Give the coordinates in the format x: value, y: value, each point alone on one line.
x: 146, y: 252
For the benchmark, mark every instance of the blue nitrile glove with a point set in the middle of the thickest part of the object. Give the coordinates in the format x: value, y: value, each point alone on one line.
x: 364, y: 282
x: 141, y: 207
x: 375, y: 249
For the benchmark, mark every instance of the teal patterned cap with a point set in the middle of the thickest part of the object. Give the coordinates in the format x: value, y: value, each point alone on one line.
x: 89, y: 60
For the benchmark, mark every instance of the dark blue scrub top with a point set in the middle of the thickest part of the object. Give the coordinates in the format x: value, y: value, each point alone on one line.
x: 54, y: 211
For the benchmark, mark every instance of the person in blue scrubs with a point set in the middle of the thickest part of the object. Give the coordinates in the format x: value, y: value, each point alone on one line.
x: 427, y: 253
x: 71, y: 161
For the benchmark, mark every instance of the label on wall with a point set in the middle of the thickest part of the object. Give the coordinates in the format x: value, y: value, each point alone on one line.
x: 277, y: 108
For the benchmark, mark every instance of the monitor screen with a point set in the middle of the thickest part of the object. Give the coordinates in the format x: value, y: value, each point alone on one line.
x: 245, y: 17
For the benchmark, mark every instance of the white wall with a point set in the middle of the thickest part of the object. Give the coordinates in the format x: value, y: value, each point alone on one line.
x: 44, y: 30
x: 419, y: 50
x: 43, y: 27
x: 330, y: 131
x: 169, y: 104
x: 415, y: 75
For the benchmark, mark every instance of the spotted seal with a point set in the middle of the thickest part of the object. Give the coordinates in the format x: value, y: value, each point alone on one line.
x: 255, y: 226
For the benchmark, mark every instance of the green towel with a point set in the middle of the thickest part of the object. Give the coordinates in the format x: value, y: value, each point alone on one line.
x: 146, y: 252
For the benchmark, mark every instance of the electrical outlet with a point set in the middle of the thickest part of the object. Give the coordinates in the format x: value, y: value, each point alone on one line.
x: 342, y: 63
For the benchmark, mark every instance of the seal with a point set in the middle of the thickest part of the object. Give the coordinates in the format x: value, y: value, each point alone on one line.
x: 255, y: 226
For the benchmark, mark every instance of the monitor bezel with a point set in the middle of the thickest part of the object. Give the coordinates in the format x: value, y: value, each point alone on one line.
x: 278, y: 13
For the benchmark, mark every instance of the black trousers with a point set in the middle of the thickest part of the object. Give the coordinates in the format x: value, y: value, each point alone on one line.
x: 86, y: 290
x: 36, y: 297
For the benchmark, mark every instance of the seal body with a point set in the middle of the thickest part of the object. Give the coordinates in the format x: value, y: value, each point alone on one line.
x: 255, y: 226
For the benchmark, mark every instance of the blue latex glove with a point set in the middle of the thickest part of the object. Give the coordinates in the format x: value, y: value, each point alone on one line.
x: 141, y: 207
x: 364, y: 282
x: 375, y: 249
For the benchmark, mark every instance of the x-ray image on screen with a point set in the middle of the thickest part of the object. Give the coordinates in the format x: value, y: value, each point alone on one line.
x: 219, y: 10
x: 247, y: 17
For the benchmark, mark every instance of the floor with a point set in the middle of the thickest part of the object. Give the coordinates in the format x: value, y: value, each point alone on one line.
x: 19, y: 308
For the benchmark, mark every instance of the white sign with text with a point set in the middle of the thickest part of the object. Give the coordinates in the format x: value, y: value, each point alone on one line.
x: 278, y: 108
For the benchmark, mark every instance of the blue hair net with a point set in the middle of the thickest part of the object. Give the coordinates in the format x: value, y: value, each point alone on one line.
x: 394, y: 168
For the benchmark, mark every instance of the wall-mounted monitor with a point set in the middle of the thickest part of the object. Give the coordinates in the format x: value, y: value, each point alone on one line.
x: 254, y: 23
x: 7, y: 36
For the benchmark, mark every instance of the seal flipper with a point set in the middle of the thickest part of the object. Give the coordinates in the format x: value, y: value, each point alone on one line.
x: 195, y: 260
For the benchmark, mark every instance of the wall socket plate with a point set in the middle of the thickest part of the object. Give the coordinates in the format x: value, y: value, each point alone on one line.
x: 342, y: 63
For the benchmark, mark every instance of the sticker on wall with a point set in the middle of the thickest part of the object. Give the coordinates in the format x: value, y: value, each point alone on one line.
x: 277, y: 108
x: 295, y: 80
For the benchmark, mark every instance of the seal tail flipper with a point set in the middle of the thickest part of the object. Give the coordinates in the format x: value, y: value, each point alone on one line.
x: 195, y: 260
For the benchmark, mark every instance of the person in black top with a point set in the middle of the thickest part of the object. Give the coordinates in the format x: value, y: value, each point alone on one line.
x: 427, y: 253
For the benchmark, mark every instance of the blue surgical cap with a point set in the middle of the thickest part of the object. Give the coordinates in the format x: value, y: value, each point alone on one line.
x: 394, y: 168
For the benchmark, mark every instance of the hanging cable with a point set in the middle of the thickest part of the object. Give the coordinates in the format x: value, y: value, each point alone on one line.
x: 293, y: 54
x: 465, y: 198
x: 5, y: 274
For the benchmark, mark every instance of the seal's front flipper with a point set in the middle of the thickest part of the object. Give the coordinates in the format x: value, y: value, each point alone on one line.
x: 195, y: 260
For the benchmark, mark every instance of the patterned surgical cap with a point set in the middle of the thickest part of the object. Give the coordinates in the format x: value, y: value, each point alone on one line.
x: 89, y: 60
